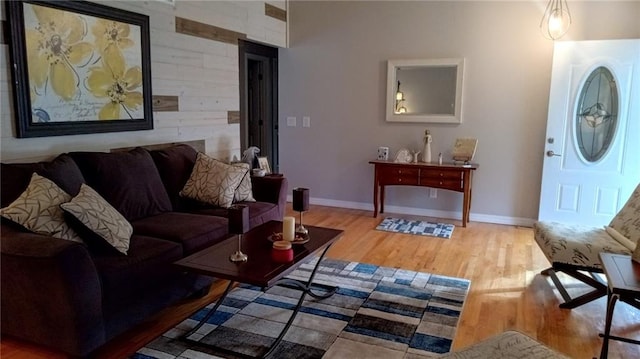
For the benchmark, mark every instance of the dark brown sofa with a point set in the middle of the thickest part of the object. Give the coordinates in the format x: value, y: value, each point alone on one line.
x: 75, y: 297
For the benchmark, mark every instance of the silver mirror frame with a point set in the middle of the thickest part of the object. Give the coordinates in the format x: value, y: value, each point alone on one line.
x: 394, y: 65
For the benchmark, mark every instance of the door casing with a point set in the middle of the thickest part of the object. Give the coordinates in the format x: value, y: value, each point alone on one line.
x: 259, y: 98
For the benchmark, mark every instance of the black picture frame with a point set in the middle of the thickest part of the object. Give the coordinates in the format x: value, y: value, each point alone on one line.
x: 92, y: 106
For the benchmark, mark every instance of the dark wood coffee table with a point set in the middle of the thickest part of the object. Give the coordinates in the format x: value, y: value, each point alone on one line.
x: 260, y: 270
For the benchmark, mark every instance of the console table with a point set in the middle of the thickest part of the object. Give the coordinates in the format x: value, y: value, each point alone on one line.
x: 449, y: 176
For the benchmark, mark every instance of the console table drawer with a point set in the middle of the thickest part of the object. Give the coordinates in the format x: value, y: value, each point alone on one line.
x: 391, y: 176
x: 442, y: 175
x: 454, y: 184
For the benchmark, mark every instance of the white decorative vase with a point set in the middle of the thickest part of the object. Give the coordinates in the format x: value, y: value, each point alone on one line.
x: 426, y: 151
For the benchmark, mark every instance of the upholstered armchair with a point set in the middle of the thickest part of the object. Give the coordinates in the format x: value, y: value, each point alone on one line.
x: 574, y: 249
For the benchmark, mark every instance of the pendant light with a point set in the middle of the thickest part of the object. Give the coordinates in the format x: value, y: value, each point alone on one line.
x: 556, y: 19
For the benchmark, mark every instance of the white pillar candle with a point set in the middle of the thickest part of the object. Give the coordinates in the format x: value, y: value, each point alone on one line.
x: 288, y: 228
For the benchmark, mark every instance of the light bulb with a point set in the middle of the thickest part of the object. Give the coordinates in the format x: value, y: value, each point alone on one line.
x: 556, y: 20
x: 557, y: 25
x: 399, y: 96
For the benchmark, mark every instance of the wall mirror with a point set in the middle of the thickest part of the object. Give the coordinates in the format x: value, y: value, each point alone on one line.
x: 425, y: 90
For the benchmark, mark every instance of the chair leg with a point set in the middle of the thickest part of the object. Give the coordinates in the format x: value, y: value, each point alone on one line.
x: 599, y: 286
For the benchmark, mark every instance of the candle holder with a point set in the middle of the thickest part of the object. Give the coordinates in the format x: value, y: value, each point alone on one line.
x: 301, y: 204
x: 238, y: 224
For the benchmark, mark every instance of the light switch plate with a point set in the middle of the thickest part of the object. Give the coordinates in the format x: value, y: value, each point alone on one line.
x: 306, y: 121
x: 291, y: 121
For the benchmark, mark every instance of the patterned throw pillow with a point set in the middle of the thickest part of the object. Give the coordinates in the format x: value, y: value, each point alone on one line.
x: 244, y: 191
x: 38, y: 209
x: 627, y: 221
x: 213, y: 182
x: 98, y: 217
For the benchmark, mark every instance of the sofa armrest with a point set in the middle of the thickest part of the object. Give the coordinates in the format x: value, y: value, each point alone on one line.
x: 51, y: 292
x: 272, y: 189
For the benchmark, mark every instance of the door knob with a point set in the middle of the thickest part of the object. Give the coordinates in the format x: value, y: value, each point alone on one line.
x: 552, y: 154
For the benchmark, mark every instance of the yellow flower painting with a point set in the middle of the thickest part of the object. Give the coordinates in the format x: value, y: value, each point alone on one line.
x: 111, y: 37
x: 54, y: 46
x: 85, y: 67
x: 119, y: 86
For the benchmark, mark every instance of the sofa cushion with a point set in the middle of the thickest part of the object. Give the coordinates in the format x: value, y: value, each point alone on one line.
x: 620, y: 238
x: 62, y: 170
x: 510, y: 344
x: 573, y: 244
x: 627, y: 221
x: 38, y: 209
x: 193, y: 231
x: 259, y: 212
x: 97, y: 221
x: 175, y: 165
x: 129, y: 181
x: 147, y: 262
x: 244, y: 192
x: 213, y: 182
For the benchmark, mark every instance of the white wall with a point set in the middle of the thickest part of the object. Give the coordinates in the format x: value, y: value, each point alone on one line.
x: 202, y: 72
x: 335, y: 72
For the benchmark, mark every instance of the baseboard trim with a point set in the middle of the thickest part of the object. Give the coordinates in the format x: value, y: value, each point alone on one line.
x: 474, y: 217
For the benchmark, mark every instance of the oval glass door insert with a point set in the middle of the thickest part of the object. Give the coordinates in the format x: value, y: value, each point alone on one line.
x: 597, y: 114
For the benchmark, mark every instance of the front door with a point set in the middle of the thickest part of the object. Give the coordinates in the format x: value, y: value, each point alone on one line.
x: 592, y: 148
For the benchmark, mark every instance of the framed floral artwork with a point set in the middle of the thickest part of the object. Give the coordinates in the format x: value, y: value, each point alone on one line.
x: 78, y: 67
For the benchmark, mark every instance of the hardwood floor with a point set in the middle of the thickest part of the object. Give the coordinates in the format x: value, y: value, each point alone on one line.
x: 507, y: 291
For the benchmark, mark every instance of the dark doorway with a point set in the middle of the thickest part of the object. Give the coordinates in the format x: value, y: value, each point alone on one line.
x: 259, y: 99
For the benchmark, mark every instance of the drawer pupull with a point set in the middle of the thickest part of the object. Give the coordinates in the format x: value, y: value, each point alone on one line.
x: 399, y: 179
x: 441, y: 182
x: 441, y: 174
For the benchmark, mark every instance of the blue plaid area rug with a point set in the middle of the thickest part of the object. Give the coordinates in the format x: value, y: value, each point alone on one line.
x: 423, y: 228
x: 378, y: 312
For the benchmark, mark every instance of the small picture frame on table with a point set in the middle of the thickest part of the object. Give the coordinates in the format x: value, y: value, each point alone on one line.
x: 263, y: 162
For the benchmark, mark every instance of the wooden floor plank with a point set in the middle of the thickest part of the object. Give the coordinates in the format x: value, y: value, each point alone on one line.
x: 507, y: 291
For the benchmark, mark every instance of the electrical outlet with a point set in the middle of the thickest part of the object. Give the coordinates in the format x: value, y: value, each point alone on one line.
x: 291, y: 121
x: 433, y: 193
x: 306, y: 121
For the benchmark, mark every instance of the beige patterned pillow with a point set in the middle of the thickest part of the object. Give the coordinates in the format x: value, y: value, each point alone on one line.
x: 245, y: 190
x: 213, y: 182
x: 38, y: 209
x: 99, y: 217
x: 627, y: 221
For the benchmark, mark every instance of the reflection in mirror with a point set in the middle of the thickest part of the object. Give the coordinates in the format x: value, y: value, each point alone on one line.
x: 424, y: 90
x: 429, y: 90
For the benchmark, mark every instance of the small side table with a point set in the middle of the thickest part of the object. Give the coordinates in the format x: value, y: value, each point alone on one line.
x: 623, y: 277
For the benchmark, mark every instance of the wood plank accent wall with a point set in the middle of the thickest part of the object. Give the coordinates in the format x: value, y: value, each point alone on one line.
x: 165, y: 103
x: 194, y: 77
x: 206, y: 31
x: 233, y: 117
x: 198, y: 145
x: 275, y: 12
